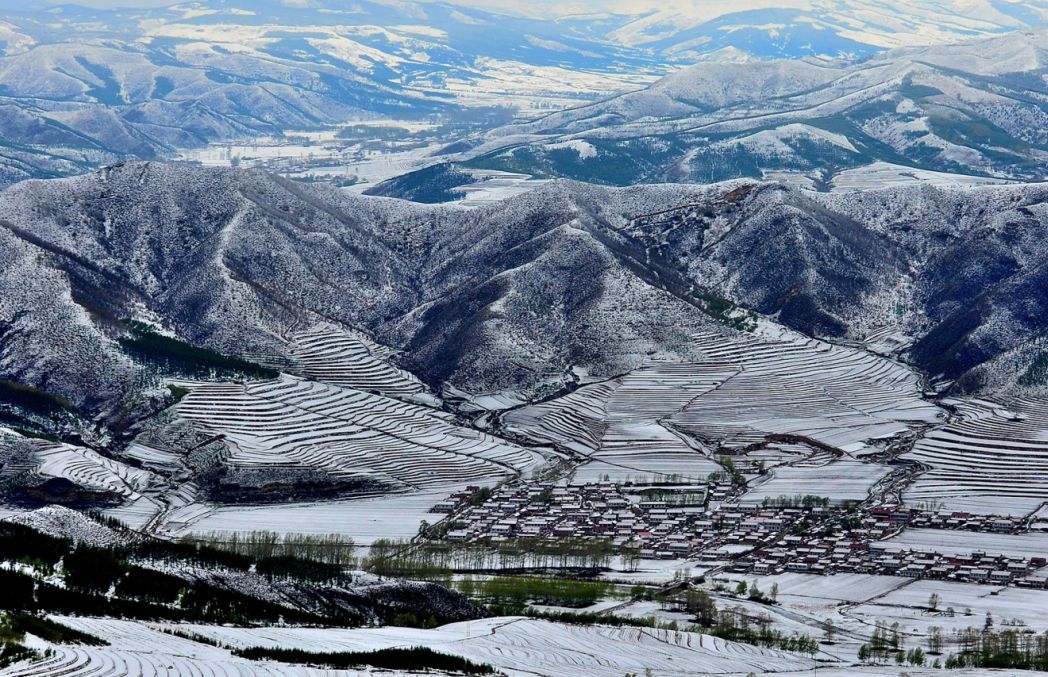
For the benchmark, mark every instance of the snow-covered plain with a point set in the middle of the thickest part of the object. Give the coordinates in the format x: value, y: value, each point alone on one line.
x: 364, y: 520
x: 970, y: 603
x: 835, y: 588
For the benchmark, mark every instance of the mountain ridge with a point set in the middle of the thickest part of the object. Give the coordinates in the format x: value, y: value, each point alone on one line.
x: 509, y: 297
x: 969, y: 109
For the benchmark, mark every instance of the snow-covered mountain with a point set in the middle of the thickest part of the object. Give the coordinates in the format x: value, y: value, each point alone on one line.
x: 794, y: 28
x: 82, y: 87
x: 976, y: 108
x: 513, y: 298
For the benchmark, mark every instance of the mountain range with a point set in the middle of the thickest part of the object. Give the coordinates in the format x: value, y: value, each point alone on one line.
x: 83, y: 87
x: 520, y: 298
x: 770, y: 29
x: 974, y: 108
x: 80, y: 87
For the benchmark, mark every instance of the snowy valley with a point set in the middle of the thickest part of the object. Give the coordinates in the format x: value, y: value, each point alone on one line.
x: 426, y: 338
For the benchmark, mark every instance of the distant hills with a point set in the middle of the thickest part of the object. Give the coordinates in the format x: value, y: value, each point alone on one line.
x: 81, y: 87
x: 775, y: 29
x: 975, y: 108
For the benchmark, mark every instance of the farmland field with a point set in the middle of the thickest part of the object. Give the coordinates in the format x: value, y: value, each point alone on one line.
x: 964, y: 542
x: 839, y: 481
x: 521, y: 646
x: 992, y: 459
x: 364, y: 519
x: 969, y: 604
x: 668, y: 418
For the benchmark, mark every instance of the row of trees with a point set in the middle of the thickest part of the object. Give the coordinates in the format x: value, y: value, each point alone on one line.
x: 1011, y: 649
x: 1005, y: 649
x: 436, y: 560
x: 172, y: 356
x: 798, y: 501
x: 737, y: 626
x: 327, y: 548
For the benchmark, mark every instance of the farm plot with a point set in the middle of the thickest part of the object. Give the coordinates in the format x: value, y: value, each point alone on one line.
x: 789, y: 385
x: 136, y: 649
x: 745, y: 390
x: 521, y: 646
x: 135, y: 513
x: 949, y: 542
x: 822, y: 590
x: 352, y: 360
x: 992, y: 460
x: 969, y: 604
x: 349, y: 434
x: 839, y: 481
x: 88, y: 469
x: 880, y: 175
x: 364, y: 520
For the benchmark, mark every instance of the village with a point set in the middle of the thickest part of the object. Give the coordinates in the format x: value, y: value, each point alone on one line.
x: 718, y: 533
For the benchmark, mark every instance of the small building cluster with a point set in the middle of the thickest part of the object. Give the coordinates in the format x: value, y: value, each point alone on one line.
x: 851, y: 553
x: 963, y: 521
x: 652, y: 522
x: 688, y: 522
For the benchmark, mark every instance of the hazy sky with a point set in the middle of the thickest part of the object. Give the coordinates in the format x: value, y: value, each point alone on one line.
x: 550, y: 7
x: 539, y: 8
x: 553, y: 8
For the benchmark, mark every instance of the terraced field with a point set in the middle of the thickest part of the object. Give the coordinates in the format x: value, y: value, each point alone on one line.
x: 136, y: 649
x: 352, y: 360
x: 514, y: 646
x: 992, y: 459
x: 618, y: 423
x: 521, y: 646
x: 294, y: 423
x: 89, y: 469
x: 662, y: 418
x: 786, y: 384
